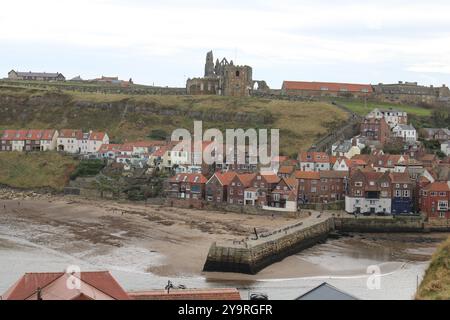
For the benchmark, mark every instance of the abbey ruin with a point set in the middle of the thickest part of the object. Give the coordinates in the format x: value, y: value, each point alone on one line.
x: 223, y: 78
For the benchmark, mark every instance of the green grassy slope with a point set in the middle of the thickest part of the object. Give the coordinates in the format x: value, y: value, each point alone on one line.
x: 35, y: 170
x: 436, y: 283
x: 129, y: 117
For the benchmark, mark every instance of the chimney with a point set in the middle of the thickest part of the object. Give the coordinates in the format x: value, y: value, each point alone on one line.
x: 39, y: 293
x: 400, y: 82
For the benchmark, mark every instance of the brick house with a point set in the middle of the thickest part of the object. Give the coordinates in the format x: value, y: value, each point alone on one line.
x: 374, y: 129
x: 260, y: 188
x: 187, y: 186
x: 286, y: 171
x: 285, y: 194
x: 217, y: 187
x: 308, y: 186
x: 332, y: 186
x: 369, y: 192
x: 237, y: 187
x: 314, y: 161
x: 434, y: 200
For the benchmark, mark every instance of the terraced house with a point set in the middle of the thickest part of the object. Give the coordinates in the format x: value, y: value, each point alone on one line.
x: 187, y: 186
x: 369, y: 193
x: 434, y: 200
x: 314, y: 161
x: 28, y: 140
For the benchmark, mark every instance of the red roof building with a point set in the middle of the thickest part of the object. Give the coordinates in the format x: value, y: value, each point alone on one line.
x: 53, y: 286
x: 321, y: 89
x: 434, y: 200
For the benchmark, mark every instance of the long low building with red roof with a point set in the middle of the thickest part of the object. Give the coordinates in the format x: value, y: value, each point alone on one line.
x: 28, y: 140
x: 325, y: 89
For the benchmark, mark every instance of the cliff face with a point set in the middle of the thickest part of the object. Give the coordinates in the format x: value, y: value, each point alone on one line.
x: 128, y: 117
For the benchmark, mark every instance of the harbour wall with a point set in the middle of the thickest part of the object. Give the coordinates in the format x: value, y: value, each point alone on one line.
x: 253, y: 255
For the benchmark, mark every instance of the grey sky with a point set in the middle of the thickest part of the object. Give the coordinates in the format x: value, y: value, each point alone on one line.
x: 164, y: 42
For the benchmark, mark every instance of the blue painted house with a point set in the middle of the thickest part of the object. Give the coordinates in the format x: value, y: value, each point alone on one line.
x: 402, y: 193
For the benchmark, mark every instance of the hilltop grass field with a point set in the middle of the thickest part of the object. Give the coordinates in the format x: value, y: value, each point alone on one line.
x: 35, y: 170
x: 362, y: 108
x: 300, y: 123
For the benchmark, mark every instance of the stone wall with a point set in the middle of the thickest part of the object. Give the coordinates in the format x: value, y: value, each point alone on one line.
x: 380, y: 224
x: 250, y: 258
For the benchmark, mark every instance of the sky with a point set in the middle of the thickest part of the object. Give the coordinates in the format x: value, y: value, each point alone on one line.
x: 164, y: 42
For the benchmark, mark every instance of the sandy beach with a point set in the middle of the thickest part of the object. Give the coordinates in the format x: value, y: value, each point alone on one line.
x: 144, y: 246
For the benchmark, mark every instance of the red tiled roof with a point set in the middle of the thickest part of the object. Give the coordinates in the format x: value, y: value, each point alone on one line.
x: 71, y: 133
x: 191, y: 294
x: 329, y: 174
x: 98, y: 136
x: 327, y: 86
x: 28, y: 284
x: 397, y: 177
x: 246, y: 178
x: 438, y: 187
x: 20, y: 135
x: 316, y: 157
x: 160, y: 152
x: 286, y: 169
x: 189, y: 177
x: 307, y: 175
x: 225, y: 178
x: 271, y: 178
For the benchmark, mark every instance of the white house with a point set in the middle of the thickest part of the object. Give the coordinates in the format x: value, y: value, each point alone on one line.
x: 445, y: 148
x: 406, y: 132
x: 391, y: 116
x: 342, y: 164
x: 69, y: 141
x: 345, y: 149
x: 92, y: 142
x: 314, y: 161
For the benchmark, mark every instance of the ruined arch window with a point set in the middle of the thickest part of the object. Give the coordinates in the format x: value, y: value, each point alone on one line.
x: 237, y: 73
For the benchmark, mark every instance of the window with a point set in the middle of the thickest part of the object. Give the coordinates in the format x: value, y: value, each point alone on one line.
x: 385, y: 185
x: 398, y: 193
x: 358, y: 184
x: 237, y: 73
x: 442, y: 205
x: 358, y: 193
x: 406, y: 193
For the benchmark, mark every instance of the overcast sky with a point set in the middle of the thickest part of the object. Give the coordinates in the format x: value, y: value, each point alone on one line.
x: 164, y: 42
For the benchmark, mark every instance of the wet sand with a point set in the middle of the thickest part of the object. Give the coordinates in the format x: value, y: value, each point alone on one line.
x: 144, y: 246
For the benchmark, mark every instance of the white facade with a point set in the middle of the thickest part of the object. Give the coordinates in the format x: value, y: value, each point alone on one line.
x: 314, y: 166
x: 445, y: 148
x: 92, y: 142
x: 392, y: 117
x: 69, y: 145
x: 341, y: 165
x: 363, y: 205
x: 406, y: 132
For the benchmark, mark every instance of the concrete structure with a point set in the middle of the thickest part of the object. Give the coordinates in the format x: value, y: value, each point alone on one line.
x: 445, y: 148
x: 35, y: 76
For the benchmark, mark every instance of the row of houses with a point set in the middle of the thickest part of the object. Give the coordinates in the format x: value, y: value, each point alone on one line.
x: 70, y: 141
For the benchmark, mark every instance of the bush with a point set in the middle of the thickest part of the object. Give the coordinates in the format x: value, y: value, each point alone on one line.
x: 88, y: 168
x: 158, y: 134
